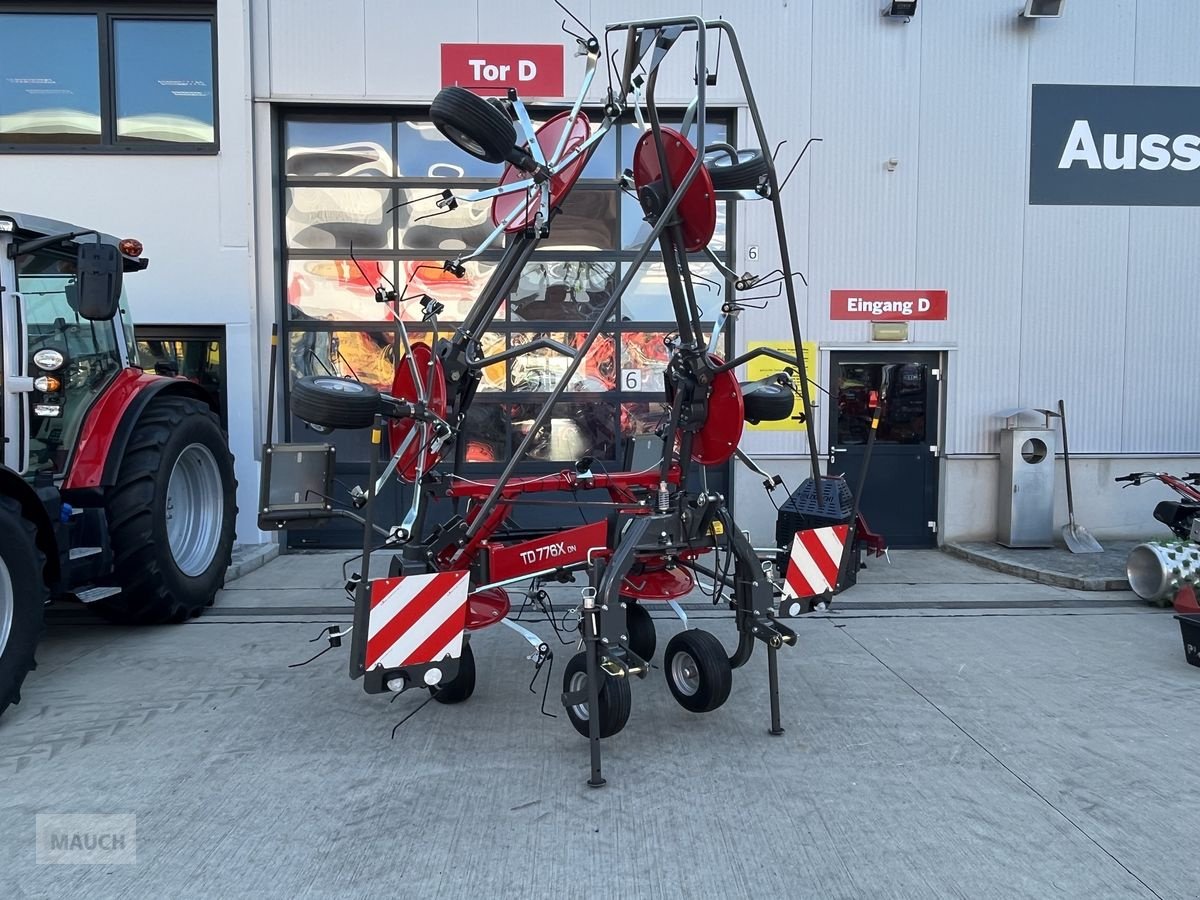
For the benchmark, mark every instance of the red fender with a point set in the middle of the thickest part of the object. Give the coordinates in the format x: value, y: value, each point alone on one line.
x: 108, y: 424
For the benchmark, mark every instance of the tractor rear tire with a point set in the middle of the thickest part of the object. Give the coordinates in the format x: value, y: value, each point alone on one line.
x: 171, y: 515
x: 23, y: 594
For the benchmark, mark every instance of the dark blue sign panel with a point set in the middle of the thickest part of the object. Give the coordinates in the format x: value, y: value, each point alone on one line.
x: 1113, y: 145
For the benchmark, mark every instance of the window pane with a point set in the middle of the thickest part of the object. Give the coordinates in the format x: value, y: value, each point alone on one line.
x: 493, y: 376
x: 635, y: 229
x: 643, y: 418
x: 486, y: 431
x: 320, y: 218
x: 337, y: 289
x: 574, y: 430
x: 164, y: 80
x: 562, y: 291
x: 49, y: 79
x: 541, y: 370
x: 426, y: 226
x: 649, y: 300
x: 318, y: 147
x: 424, y: 153
x: 458, y: 295
x: 366, y: 355
x: 588, y: 221
x: 643, y: 353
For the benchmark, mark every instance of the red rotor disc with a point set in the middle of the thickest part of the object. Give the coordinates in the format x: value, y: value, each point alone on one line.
x: 718, y: 438
x: 429, y: 368
x: 698, y: 208
x: 548, y: 136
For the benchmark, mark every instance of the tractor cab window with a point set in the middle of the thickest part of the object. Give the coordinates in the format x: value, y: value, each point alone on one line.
x: 89, y: 351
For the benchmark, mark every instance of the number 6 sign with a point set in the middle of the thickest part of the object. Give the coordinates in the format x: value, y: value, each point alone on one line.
x: 631, y: 379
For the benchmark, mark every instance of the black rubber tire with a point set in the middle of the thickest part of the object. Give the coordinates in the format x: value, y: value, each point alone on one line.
x: 714, y: 675
x: 640, y: 627
x: 473, y: 124
x: 742, y: 175
x: 767, y: 400
x: 462, y: 685
x: 615, y: 698
x: 26, y: 569
x: 333, y: 402
x: 154, y: 590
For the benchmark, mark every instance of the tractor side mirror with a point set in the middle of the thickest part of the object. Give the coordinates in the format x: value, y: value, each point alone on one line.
x: 96, y: 293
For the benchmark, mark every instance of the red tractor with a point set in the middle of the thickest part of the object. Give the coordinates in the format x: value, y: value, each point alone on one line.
x: 116, y: 485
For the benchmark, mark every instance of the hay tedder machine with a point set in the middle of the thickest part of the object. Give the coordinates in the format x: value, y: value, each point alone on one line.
x: 664, y: 531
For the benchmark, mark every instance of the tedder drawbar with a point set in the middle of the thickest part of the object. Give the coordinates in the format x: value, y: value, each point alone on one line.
x: 663, y: 526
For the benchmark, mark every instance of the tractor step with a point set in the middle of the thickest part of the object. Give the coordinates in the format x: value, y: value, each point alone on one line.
x: 92, y: 594
x: 85, y: 552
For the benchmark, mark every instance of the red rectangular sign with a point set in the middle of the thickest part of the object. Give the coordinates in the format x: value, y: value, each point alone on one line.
x: 888, y: 306
x: 563, y: 550
x: 535, y: 70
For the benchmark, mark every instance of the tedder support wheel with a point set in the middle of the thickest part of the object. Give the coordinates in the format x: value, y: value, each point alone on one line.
x: 462, y: 685
x: 615, y: 698
x: 333, y: 402
x: 171, y: 515
x: 642, y: 639
x: 23, y: 595
x: 473, y: 124
x: 698, y: 671
x: 740, y: 175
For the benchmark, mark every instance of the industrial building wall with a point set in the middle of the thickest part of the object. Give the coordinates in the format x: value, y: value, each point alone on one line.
x: 1083, y: 303
x: 194, y: 216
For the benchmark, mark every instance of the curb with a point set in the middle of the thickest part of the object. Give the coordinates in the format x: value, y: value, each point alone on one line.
x: 1056, y: 579
x: 247, y: 558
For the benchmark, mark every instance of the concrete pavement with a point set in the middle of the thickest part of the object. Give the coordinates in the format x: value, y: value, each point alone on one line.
x: 959, y: 753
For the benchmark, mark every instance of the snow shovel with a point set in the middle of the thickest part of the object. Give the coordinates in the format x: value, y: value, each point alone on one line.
x: 1078, y: 538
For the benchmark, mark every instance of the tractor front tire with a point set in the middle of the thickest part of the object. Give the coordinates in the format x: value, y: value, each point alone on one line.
x: 23, y: 594
x: 171, y: 515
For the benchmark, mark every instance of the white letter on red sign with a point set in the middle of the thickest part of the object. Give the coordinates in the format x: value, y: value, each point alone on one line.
x: 526, y: 70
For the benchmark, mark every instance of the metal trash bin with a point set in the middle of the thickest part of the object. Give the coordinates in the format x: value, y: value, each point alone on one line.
x: 1025, y: 501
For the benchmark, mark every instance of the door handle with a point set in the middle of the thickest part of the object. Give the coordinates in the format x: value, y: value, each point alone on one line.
x: 832, y: 451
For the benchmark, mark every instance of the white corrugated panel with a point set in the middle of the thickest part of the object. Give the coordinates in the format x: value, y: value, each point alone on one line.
x: 318, y: 48
x: 866, y: 77
x: 971, y: 205
x: 1076, y: 258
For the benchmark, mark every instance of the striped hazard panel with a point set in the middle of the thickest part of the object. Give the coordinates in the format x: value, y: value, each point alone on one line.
x: 816, y: 556
x: 416, y: 619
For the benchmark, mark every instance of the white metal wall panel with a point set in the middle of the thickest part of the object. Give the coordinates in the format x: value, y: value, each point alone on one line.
x: 403, y: 59
x: 1156, y: 389
x: 865, y: 78
x: 1158, y: 395
x: 779, y: 60
x: 971, y: 205
x: 1076, y: 258
x: 318, y: 48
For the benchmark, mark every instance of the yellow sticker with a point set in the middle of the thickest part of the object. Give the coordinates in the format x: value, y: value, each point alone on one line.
x: 717, y: 528
x: 762, y: 366
x: 376, y: 434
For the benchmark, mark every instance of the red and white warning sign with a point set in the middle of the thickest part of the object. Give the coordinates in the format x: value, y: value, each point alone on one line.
x: 816, y: 557
x: 416, y: 619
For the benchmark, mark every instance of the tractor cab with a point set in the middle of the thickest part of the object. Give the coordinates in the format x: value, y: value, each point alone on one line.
x: 66, y: 334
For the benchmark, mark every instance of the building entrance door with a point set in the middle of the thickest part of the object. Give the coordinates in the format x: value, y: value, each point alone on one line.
x: 900, y: 495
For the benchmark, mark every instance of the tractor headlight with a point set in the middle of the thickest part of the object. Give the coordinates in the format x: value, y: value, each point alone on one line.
x: 47, y: 359
x: 47, y: 384
x: 47, y: 410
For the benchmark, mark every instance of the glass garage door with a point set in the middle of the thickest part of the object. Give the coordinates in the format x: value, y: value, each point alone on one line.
x: 359, y: 208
